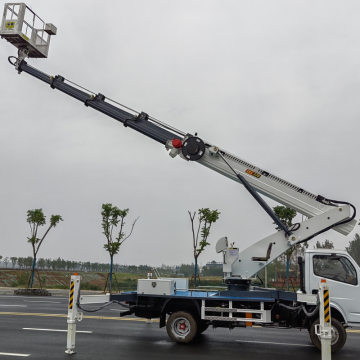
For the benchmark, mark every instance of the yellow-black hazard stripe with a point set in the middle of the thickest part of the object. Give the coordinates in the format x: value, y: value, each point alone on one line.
x: 71, y: 301
x: 326, y: 306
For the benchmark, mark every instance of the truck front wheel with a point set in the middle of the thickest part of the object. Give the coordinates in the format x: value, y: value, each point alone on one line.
x: 338, y: 335
x: 181, y: 327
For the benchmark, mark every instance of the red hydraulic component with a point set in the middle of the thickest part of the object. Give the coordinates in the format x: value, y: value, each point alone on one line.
x: 177, y: 144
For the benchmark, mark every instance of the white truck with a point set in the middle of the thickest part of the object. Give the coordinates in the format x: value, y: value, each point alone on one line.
x: 185, y: 312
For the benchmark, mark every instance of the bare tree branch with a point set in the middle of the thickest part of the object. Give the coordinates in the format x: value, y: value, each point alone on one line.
x: 110, y: 233
x: 197, y: 235
x: 131, y: 229
x: 42, y: 239
x: 192, y: 228
x: 121, y: 227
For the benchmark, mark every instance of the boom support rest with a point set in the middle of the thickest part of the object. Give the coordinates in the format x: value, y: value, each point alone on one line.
x: 268, y: 253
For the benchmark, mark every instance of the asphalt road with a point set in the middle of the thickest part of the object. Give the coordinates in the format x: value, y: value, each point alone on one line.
x: 29, y: 326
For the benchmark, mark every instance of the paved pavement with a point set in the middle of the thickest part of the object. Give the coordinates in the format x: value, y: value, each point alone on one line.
x: 54, y: 292
x: 36, y: 326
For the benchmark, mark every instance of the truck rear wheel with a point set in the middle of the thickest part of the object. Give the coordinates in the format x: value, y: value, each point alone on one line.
x: 338, y: 335
x: 181, y: 327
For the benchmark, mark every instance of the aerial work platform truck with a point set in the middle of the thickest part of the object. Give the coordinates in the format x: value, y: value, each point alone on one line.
x: 184, y: 312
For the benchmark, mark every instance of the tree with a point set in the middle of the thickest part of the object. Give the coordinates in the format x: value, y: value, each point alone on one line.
x: 28, y: 261
x: 212, y: 269
x: 13, y: 261
x: 6, y: 261
x: 48, y: 263
x: 41, y: 263
x: 21, y: 262
x: 286, y: 216
x: 53, y: 264
x: 206, y: 218
x: 111, y: 217
x: 1, y: 257
x: 325, y: 245
x: 354, y: 248
x: 187, y: 269
x: 36, y: 218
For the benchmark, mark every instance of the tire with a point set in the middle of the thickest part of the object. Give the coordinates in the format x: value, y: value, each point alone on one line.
x: 338, y: 335
x: 181, y: 327
x: 202, y: 326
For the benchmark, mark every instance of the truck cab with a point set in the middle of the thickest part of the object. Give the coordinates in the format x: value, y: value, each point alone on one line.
x: 342, y: 274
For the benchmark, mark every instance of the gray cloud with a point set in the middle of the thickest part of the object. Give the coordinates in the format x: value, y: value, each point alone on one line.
x: 276, y: 83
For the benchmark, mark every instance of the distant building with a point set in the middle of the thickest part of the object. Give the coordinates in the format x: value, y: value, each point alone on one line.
x: 214, y: 263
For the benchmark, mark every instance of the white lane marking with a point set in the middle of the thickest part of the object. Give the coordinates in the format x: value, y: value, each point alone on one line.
x: 117, y: 310
x: 15, y: 305
x: 86, y: 332
x: 52, y: 302
x: 272, y: 343
x: 11, y: 354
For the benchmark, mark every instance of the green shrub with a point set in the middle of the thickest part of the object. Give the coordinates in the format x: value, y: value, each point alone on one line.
x: 23, y: 278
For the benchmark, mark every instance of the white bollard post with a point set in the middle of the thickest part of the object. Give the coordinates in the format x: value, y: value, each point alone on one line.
x: 73, y: 314
x: 324, y: 328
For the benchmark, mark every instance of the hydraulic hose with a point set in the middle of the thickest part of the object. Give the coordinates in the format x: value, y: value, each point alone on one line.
x: 12, y: 57
x: 300, y: 308
x: 334, y: 225
x: 102, y: 306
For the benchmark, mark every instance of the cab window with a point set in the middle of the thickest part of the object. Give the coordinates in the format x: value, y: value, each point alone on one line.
x: 334, y: 267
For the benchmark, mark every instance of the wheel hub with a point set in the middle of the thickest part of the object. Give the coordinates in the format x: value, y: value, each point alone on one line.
x: 181, y: 327
x: 334, y: 335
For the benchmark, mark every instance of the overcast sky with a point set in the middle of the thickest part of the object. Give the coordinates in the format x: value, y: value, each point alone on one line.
x: 275, y: 82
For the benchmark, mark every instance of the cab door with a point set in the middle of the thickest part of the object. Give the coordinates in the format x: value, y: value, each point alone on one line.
x: 342, y: 275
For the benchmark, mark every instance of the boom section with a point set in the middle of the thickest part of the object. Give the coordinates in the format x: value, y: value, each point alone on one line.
x: 139, y: 122
x: 270, y: 185
x: 262, y: 181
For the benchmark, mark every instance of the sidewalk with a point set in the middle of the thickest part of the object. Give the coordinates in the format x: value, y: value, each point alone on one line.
x: 54, y: 292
